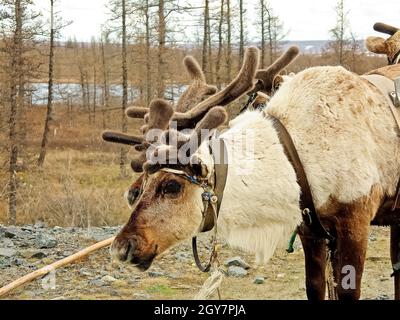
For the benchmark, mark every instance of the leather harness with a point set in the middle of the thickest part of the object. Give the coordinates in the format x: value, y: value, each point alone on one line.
x: 212, y: 200
x: 309, y: 212
x: 391, y: 92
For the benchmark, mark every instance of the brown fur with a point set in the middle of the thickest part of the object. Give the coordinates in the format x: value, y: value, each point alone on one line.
x: 349, y: 223
x: 390, y: 47
x: 385, y: 28
x: 198, y: 90
x: 147, y: 232
x: 117, y: 137
x: 267, y: 76
x: 239, y: 86
x: 214, y: 118
x: 391, y: 72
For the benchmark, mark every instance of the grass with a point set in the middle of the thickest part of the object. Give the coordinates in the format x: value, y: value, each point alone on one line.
x: 161, y: 289
x: 79, y: 184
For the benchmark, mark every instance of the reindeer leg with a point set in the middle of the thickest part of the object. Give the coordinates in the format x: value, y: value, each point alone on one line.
x: 315, y: 262
x: 349, y: 256
x: 395, y: 256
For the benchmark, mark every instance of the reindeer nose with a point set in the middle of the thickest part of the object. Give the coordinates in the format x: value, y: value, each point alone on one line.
x: 123, y: 249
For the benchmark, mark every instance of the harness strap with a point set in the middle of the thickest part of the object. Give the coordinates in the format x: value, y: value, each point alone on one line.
x: 220, y: 157
x: 310, y: 217
x: 387, y: 87
x: 212, y: 201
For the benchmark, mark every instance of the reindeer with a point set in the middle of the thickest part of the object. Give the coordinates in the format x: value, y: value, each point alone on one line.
x: 390, y: 47
x: 346, y: 139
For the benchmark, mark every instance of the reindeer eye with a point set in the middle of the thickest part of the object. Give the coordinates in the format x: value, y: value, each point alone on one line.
x: 172, y: 187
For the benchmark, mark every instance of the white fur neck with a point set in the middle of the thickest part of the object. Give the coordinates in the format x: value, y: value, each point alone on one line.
x: 260, y: 207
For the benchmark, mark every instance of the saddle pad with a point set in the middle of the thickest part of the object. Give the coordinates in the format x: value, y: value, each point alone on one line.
x: 392, y: 72
x: 386, y: 86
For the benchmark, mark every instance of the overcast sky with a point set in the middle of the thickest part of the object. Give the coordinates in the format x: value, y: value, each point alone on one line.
x: 305, y: 19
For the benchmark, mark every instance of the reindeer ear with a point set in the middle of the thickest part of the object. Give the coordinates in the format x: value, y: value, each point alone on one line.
x: 200, y: 169
x: 278, y: 80
x: 376, y: 45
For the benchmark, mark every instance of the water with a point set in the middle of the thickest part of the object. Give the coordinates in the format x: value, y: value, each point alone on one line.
x: 63, y: 92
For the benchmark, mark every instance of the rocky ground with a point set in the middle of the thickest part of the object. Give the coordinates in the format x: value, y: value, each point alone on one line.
x: 173, y: 276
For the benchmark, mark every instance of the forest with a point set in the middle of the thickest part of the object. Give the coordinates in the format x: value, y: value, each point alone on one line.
x: 57, y: 95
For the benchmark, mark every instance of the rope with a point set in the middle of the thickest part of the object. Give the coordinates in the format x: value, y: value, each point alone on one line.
x: 213, y: 283
x: 330, y: 278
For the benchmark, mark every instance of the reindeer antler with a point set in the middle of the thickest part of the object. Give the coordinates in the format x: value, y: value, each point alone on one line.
x: 390, y: 47
x: 267, y: 76
x: 171, y: 150
x: 197, y: 90
x: 385, y: 28
x: 239, y: 86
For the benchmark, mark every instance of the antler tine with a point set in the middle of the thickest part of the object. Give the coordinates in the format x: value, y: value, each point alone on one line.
x: 136, y: 112
x: 215, y: 117
x: 239, y: 86
x: 385, y: 28
x: 193, y: 68
x: 159, y: 116
x: 122, y: 138
x: 268, y: 75
x: 197, y: 90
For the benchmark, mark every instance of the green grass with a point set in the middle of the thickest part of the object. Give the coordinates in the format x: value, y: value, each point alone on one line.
x: 161, y: 289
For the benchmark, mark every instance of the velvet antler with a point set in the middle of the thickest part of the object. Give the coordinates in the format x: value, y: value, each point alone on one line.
x: 390, y: 47
x: 178, y: 147
x: 385, y: 28
x: 239, y: 86
x: 198, y: 89
x: 194, y: 93
x: 266, y: 77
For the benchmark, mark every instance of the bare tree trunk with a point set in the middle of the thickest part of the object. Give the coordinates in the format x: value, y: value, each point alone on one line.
x: 262, y: 8
x: 219, y: 53
x: 161, y: 49
x: 124, y: 128
x: 106, y: 92
x: 341, y: 28
x: 229, y: 41
x: 241, y: 33
x: 210, y: 61
x: 206, y: 56
x: 16, y: 66
x: 50, y: 90
x: 87, y: 96
x: 270, y: 36
x: 94, y: 92
x: 148, y: 55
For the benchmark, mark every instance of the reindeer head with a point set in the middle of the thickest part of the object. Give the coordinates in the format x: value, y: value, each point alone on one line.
x: 390, y: 46
x: 169, y: 208
x: 269, y: 80
x: 196, y: 92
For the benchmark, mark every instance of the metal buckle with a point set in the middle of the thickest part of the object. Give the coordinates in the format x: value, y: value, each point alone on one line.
x: 307, y: 216
x: 395, y: 95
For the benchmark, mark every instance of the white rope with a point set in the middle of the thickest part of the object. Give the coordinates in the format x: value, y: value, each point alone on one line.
x: 211, y: 285
x: 330, y: 277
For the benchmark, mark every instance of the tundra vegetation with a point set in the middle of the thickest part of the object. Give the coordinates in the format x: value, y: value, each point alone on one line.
x: 58, y: 95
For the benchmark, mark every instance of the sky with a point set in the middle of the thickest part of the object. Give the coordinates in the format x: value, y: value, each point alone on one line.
x: 304, y: 19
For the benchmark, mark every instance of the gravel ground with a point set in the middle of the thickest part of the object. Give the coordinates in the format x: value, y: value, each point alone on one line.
x: 173, y: 276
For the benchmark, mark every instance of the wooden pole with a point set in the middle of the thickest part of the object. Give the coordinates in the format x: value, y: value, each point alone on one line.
x: 61, y: 263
